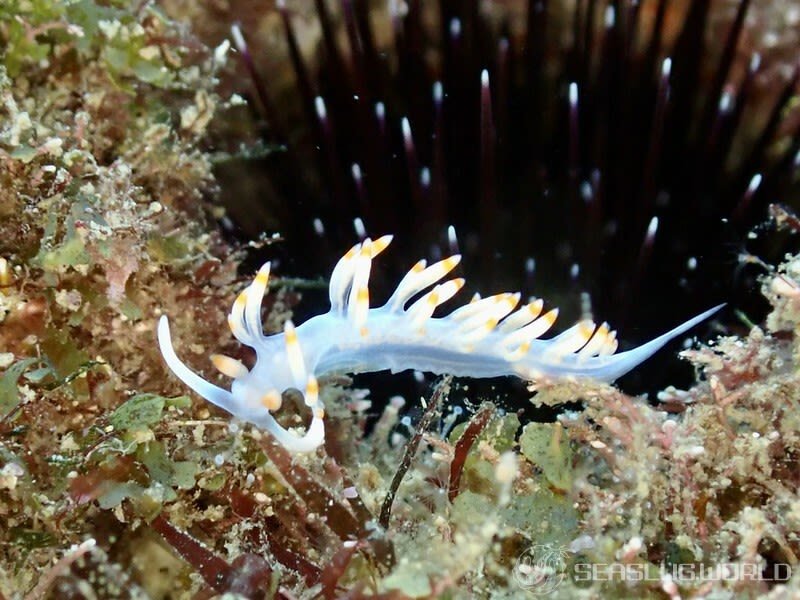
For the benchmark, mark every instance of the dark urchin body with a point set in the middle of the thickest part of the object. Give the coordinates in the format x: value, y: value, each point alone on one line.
x: 620, y: 145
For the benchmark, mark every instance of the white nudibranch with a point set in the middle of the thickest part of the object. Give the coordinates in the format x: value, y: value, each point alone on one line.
x: 485, y: 338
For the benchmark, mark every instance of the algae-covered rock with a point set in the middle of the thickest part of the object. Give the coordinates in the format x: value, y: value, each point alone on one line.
x: 546, y: 445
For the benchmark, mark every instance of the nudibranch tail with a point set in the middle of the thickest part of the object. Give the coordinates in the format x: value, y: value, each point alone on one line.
x: 488, y: 337
x: 625, y: 361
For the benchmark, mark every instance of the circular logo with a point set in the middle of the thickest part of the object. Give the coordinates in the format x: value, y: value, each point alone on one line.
x: 541, y: 568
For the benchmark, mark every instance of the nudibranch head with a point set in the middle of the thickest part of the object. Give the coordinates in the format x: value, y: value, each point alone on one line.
x: 254, y: 395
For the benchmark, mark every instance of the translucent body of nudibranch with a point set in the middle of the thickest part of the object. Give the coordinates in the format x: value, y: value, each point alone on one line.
x: 487, y: 337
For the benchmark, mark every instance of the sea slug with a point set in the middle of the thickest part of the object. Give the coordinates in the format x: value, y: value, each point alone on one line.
x: 484, y: 338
